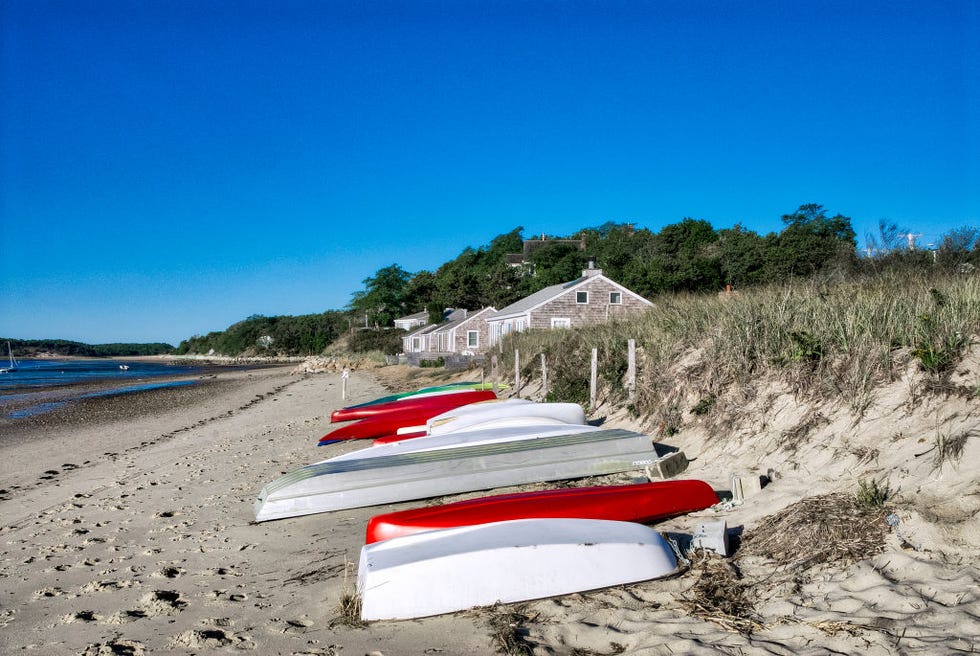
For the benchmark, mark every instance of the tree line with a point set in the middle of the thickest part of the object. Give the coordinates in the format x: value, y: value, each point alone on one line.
x: 26, y: 348
x: 688, y: 256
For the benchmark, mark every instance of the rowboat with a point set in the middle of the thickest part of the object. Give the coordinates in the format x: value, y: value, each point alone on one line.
x: 492, y: 414
x: 464, y: 438
x: 435, y: 390
x: 643, y: 502
x: 439, y: 402
x: 369, y: 481
x: 459, y: 568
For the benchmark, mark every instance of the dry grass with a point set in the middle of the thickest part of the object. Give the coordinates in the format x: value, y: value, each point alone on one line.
x: 829, y: 529
x: 507, y: 630
x: 837, y: 341
x: 719, y: 595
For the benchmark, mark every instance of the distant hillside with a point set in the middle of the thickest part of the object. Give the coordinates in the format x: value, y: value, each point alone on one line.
x: 28, y: 348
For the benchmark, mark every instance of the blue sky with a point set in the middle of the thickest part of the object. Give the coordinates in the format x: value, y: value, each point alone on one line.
x: 170, y: 168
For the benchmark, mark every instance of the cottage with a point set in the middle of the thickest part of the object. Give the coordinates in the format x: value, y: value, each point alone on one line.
x: 418, y: 340
x: 591, y: 299
x: 412, y: 321
x: 465, y: 336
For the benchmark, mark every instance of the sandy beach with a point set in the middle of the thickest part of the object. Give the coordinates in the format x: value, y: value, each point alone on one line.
x: 127, y: 529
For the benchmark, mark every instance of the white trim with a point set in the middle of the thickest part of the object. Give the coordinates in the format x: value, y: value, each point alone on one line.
x: 560, y: 322
x: 582, y: 291
x: 475, y: 343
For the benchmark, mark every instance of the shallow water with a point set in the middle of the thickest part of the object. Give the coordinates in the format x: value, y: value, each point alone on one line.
x: 40, y: 386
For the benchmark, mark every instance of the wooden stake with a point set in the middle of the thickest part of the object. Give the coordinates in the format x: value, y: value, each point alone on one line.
x: 593, y: 378
x: 631, y: 370
x: 544, y: 377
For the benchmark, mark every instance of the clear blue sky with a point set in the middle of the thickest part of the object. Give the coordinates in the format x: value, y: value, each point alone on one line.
x: 169, y: 168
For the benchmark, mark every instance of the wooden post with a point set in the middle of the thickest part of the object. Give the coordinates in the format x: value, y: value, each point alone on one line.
x: 544, y: 377
x: 517, y: 373
x: 631, y: 370
x: 494, y: 373
x: 344, y: 375
x: 593, y: 377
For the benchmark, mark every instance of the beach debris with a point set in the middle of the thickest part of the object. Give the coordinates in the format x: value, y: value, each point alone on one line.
x: 712, y: 536
x: 745, y: 486
x: 720, y: 596
x: 667, y: 466
x: 831, y: 528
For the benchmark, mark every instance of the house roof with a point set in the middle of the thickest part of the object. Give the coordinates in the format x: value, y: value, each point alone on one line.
x: 542, y: 296
x: 458, y: 322
x: 414, y: 317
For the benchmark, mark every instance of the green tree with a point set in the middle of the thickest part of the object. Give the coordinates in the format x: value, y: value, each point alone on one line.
x: 811, y: 242
x: 384, y: 298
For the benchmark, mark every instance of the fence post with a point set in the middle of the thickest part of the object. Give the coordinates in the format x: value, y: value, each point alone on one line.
x: 517, y: 373
x: 593, y: 377
x: 544, y: 377
x: 631, y: 370
x: 494, y: 373
x: 344, y: 375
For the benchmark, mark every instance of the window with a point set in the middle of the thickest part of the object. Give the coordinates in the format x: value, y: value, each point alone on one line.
x: 472, y: 338
x: 561, y: 322
x: 416, y: 344
x: 581, y: 297
x: 615, y: 298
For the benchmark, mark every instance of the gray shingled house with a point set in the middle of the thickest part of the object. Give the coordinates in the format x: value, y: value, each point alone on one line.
x: 591, y: 299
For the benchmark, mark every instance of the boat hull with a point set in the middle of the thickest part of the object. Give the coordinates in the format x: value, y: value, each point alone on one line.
x: 643, y: 502
x: 328, y: 486
x: 459, y: 568
x: 464, y: 439
x: 438, y: 402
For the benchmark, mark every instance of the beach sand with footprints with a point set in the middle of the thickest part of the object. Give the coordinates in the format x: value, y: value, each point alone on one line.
x: 127, y: 529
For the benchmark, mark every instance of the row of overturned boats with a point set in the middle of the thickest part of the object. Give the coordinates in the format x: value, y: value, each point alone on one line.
x: 495, y: 549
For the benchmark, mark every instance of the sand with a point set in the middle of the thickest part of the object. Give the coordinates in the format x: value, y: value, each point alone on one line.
x: 127, y: 529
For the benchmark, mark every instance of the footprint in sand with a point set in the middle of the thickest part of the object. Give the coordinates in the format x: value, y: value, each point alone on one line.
x: 162, y: 602
x: 122, y: 647
x: 210, y: 638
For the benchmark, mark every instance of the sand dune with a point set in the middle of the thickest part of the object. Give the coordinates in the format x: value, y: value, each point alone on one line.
x: 133, y: 535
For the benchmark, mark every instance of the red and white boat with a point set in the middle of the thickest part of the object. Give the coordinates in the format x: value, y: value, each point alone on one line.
x: 642, y: 502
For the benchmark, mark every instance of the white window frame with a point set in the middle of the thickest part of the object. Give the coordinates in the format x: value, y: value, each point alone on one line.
x: 560, y: 322
x: 586, y: 301
x: 618, y: 296
x: 472, y: 339
x: 416, y: 344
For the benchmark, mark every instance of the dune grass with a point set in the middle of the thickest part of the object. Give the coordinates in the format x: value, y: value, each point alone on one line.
x: 828, y: 340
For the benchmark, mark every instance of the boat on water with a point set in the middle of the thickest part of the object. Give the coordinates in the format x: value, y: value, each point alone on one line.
x: 466, y: 567
x: 437, y: 403
x: 641, y: 502
x: 13, y: 364
x: 418, y: 474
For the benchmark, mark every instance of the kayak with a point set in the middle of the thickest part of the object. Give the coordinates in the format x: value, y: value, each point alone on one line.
x: 642, y: 502
x: 459, y: 568
x: 439, y: 403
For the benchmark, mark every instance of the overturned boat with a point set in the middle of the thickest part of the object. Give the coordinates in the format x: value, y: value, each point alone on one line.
x: 418, y: 474
x: 459, y: 568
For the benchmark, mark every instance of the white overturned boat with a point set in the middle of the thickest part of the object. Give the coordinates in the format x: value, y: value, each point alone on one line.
x: 458, y: 568
x: 523, y: 431
x: 505, y: 414
x: 396, y: 476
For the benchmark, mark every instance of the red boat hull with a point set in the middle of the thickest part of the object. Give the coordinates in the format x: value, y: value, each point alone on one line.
x: 442, y: 403
x: 380, y: 426
x: 643, y: 502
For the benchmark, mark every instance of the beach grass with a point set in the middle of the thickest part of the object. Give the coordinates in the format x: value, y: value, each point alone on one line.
x: 828, y: 339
